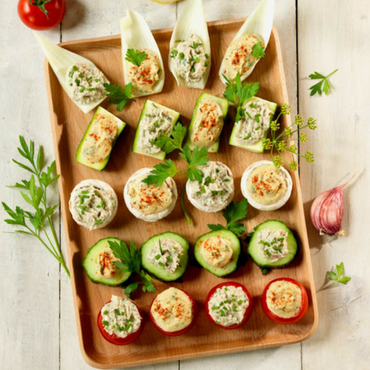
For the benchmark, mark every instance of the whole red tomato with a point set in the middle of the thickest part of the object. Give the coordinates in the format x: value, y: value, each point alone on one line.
x: 41, y: 14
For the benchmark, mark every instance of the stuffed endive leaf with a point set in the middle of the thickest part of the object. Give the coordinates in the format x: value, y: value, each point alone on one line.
x: 240, y: 56
x: 87, y: 92
x: 190, y: 48
x: 141, y: 58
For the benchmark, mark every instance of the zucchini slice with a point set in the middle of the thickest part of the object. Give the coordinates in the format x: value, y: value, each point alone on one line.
x: 256, y: 147
x: 102, y: 124
x: 90, y: 264
x: 256, y: 254
x: 158, y: 271
x: 197, y: 114
x: 149, y: 108
x: 231, y: 265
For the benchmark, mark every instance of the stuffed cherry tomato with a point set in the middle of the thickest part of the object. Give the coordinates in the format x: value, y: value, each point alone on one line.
x: 173, y: 312
x: 120, y: 321
x: 284, y: 301
x: 229, y: 305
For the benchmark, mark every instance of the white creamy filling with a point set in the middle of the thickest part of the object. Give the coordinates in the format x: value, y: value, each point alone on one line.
x: 120, y: 317
x: 272, y: 244
x: 190, y: 58
x: 216, y: 188
x: 154, y: 124
x: 105, y: 266
x: 254, y: 123
x: 227, y: 306
x: 166, y: 254
x: 85, y: 83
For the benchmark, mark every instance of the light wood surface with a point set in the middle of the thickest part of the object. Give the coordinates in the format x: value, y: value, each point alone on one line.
x: 38, y: 330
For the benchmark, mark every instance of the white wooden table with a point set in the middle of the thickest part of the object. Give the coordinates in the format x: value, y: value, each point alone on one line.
x: 37, y: 326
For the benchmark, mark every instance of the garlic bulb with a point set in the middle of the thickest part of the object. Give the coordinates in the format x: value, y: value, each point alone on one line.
x: 327, y: 211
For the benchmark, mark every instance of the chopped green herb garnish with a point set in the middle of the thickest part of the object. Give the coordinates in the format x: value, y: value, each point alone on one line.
x: 257, y: 128
x: 157, y: 257
x: 207, y: 56
x: 169, y: 258
x: 202, y: 189
x: 156, y: 124
x: 70, y: 74
x: 81, y: 75
x: 161, y: 264
x: 247, y: 137
x: 206, y: 64
x: 234, y: 308
x: 85, y: 192
x: 82, y: 89
x: 174, y: 53
x: 98, y: 222
x: 92, y: 89
x: 105, y: 312
x: 75, y: 68
x: 257, y: 118
x: 252, y: 105
x: 77, y: 81
x: 249, y: 116
x: 89, y: 79
x: 214, y: 192
x: 135, y: 56
x: 105, y: 323
x: 214, y: 308
x: 181, y: 56
x: 97, y: 80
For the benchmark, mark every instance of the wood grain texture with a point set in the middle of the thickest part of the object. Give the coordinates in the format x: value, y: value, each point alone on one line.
x: 69, y: 124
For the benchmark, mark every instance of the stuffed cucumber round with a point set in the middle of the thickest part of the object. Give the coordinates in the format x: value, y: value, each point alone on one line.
x: 99, y: 265
x: 272, y: 244
x: 218, y: 252
x: 165, y: 256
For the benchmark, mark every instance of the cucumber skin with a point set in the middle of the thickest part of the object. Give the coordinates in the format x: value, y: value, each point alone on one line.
x: 86, y: 264
x: 291, y: 241
x: 162, y: 274
x: 224, y: 107
x: 102, y: 165
x: 257, y: 146
x: 161, y: 155
x: 219, y: 271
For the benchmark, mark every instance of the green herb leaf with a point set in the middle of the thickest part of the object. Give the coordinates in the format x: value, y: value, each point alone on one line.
x: 135, y: 57
x: 258, y: 50
x: 160, y: 173
x: 169, y: 144
x: 323, y: 85
x: 130, y: 288
x: 117, y: 95
x: 337, y: 277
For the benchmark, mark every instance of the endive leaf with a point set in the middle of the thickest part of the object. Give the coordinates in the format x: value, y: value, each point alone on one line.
x: 191, y: 22
x: 60, y: 60
x: 259, y: 22
x: 136, y: 34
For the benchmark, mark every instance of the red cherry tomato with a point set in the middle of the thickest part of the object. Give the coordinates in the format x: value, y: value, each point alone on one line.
x: 33, y: 16
x: 281, y: 320
x: 247, y: 313
x: 113, y: 338
x: 182, y: 331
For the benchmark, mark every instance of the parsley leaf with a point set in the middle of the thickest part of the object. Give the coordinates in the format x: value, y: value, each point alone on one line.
x: 117, y: 95
x: 131, y: 262
x: 239, y: 93
x: 160, y: 173
x: 169, y: 143
x: 135, y: 56
x: 233, y: 213
x: 198, y: 158
x: 258, y: 50
x: 323, y: 85
x: 337, y: 277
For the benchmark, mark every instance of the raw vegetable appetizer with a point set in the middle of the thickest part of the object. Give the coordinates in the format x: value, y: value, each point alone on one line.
x: 155, y: 121
x: 80, y: 78
x: 190, y: 49
x: 98, y: 141
x: 142, y: 60
x: 207, y: 122
x: 165, y: 256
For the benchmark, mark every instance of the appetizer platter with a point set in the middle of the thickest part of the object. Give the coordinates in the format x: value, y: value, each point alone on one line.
x: 193, y: 281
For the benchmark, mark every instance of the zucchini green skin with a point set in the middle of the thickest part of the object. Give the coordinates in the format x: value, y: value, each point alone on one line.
x: 148, y: 104
x: 256, y: 255
x: 232, y: 265
x: 257, y: 147
x: 80, y: 158
x: 89, y: 264
x: 224, y: 104
x: 158, y: 272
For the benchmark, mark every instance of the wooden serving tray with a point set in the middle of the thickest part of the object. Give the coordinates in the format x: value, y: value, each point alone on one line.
x: 205, y: 339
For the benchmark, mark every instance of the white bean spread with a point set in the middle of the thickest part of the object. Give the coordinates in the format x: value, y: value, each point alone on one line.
x: 272, y: 244
x: 216, y: 188
x: 155, y: 123
x: 227, y: 305
x: 85, y: 83
x: 120, y: 317
x: 166, y: 254
x: 254, y: 123
x: 190, y: 58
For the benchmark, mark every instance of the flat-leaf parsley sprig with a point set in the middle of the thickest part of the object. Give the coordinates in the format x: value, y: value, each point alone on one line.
x: 168, y: 169
x: 282, y: 142
x: 117, y: 95
x: 239, y: 93
x: 233, y: 213
x: 131, y: 262
x: 338, y: 277
x: 323, y: 85
x: 258, y: 50
x: 135, y: 56
x: 34, y: 223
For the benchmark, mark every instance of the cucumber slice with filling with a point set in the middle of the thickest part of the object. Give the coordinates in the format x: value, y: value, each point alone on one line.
x: 146, y: 109
x: 258, y: 257
x: 157, y: 271
x: 84, y: 155
x: 90, y: 265
x: 232, y: 265
x: 224, y: 104
x: 256, y: 147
